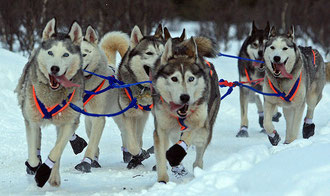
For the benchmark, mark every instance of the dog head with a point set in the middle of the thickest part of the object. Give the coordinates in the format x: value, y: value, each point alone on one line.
x: 143, y: 52
x: 90, y: 51
x: 256, y: 44
x: 281, y: 53
x: 59, y: 57
x: 180, y: 76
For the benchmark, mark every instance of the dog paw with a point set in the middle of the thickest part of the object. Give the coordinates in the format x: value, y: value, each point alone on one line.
x: 274, y: 140
x: 137, y: 160
x: 55, y: 179
x: 277, y: 117
x: 31, y: 170
x: 95, y: 164
x: 42, y: 175
x: 242, y: 133
x: 308, y: 130
x: 78, y: 144
x: 127, y: 157
x: 83, y: 167
x: 179, y: 171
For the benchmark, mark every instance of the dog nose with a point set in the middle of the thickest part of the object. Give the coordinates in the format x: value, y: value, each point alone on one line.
x: 184, y: 98
x: 54, y: 69
x: 260, y: 53
x: 277, y: 59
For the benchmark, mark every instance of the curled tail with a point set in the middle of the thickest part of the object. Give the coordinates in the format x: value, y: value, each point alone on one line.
x: 327, y: 70
x: 112, y: 42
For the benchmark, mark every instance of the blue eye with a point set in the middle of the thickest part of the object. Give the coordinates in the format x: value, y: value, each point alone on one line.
x: 50, y: 53
x: 65, y: 54
x: 190, y: 79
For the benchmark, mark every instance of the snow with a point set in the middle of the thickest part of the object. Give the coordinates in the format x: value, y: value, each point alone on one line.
x: 232, y: 166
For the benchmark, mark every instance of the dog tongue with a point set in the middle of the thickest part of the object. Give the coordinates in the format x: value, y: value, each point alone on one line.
x: 174, y: 106
x: 281, y: 67
x: 65, y: 82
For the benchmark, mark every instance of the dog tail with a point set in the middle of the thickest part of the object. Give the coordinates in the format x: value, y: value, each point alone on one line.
x: 112, y: 42
x: 327, y: 70
x: 206, y: 47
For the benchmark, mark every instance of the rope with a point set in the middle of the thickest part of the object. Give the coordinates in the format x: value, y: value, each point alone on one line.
x: 237, y: 57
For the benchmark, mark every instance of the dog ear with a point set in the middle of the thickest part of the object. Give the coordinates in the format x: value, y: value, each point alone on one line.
x: 183, y: 35
x: 290, y: 33
x: 272, y: 32
x: 168, y: 53
x: 136, y: 36
x: 159, y: 32
x: 167, y: 34
x: 75, y: 33
x: 254, y: 28
x: 91, y: 35
x: 191, y: 48
x: 267, y: 29
x: 49, y: 30
x: 206, y: 47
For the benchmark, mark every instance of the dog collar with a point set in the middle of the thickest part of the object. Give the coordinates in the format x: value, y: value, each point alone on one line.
x: 49, y: 112
x: 292, y: 92
x: 88, y: 97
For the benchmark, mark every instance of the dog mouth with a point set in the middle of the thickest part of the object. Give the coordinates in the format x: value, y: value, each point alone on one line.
x: 146, y: 69
x: 181, y: 110
x: 279, y: 69
x: 56, y: 81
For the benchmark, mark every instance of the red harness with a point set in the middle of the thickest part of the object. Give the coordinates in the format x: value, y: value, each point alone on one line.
x: 88, y: 97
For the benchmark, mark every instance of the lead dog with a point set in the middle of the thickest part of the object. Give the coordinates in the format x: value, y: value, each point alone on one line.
x: 186, y: 102
x: 298, y: 75
x: 51, y: 80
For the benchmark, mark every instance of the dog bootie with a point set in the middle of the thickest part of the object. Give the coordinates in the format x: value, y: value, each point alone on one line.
x: 175, y: 155
x: 43, y: 172
x: 31, y: 170
x: 277, y: 117
x: 127, y: 157
x: 274, y: 138
x: 151, y: 150
x: 179, y: 171
x: 95, y: 164
x: 137, y: 160
x: 261, y: 121
x: 85, y: 166
x: 242, y: 132
x: 308, y: 130
x: 78, y: 144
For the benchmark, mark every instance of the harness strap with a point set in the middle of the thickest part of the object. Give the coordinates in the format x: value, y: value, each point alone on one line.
x: 313, y: 57
x: 49, y: 112
x: 88, y: 97
x: 292, y: 92
x: 141, y: 107
x: 208, y: 63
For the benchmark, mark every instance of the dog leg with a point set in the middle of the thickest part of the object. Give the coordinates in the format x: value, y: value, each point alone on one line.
x: 296, y: 122
x: 200, y: 150
x: 33, y: 137
x: 161, y: 142
x: 260, y: 110
x: 312, y: 100
x: 243, y: 95
x: 273, y: 136
x: 141, y: 122
x: 288, y: 115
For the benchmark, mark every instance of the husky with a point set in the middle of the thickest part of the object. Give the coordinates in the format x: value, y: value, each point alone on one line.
x: 252, y: 48
x: 95, y: 61
x: 186, y: 100
x: 297, y: 75
x: 135, y: 66
x: 51, y: 80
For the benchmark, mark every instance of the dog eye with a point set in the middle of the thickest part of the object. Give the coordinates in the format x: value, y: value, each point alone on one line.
x: 285, y: 48
x: 65, y: 54
x: 149, y: 53
x: 272, y: 47
x: 174, y: 79
x: 50, y: 53
x: 190, y: 79
x: 84, y: 55
x: 255, y: 44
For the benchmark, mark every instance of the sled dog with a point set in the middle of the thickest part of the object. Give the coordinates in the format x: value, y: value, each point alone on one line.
x: 50, y: 82
x: 186, y: 100
x: 298, y: 75
x: 252, y: 48
x: 134, y: 67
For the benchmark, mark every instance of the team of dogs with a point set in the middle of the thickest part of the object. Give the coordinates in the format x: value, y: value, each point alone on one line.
x: 184, y: 96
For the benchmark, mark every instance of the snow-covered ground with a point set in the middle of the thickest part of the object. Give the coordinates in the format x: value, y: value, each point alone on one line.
x: 232, y: 166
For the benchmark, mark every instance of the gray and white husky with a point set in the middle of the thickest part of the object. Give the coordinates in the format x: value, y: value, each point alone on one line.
x: 298, y: 74
x: 252, y: 48
x: 186, y: 102
x: 95, y: 60
x: 135, y: 66
x: 51, y: 80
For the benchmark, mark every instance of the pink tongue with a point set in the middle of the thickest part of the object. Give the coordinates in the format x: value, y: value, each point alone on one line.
x: 256, y: 64
x: 65, y: 82
x: 175, y: 106
x: 283, y: 71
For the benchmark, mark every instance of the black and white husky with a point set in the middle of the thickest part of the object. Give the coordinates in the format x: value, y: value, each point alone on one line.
x: 252, y: 48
